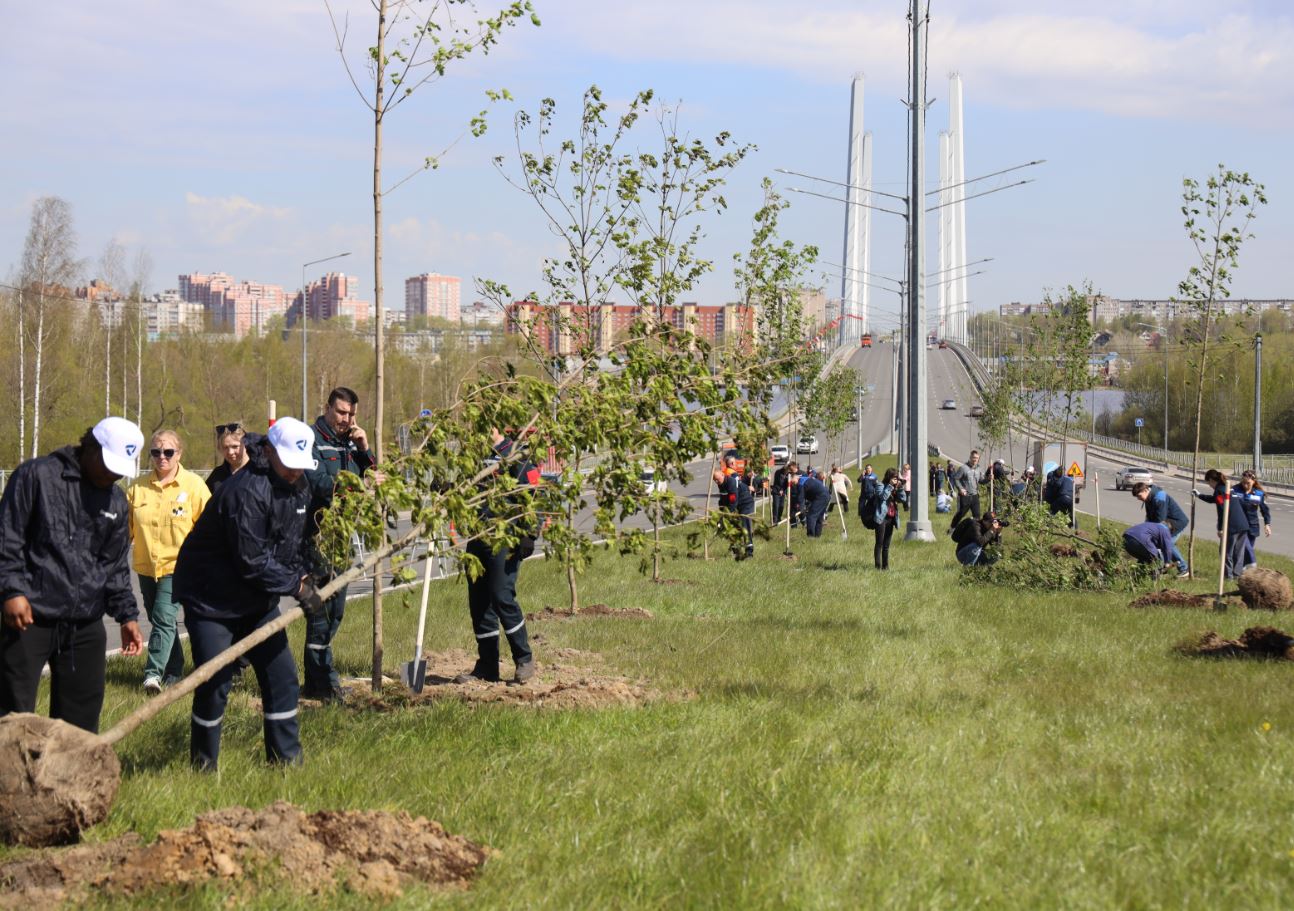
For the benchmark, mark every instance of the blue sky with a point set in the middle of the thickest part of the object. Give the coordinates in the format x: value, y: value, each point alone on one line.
x: 225, y: 135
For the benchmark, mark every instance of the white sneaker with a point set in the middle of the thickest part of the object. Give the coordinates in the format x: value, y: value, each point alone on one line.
x: 152, y: 685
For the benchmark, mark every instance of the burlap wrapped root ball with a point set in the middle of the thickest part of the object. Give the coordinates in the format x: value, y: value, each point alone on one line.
x: 1265, y: 589
x: 55, y: 780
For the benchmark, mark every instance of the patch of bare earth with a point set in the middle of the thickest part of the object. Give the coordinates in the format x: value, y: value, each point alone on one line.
x: 1171, y: 597
x: 1255, y: 642
x: 565, y: 678
x: 364, y: 851
x: 592, y: 610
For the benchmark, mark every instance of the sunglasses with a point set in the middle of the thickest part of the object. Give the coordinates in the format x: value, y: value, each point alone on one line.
x: 163, y: 453
x: 228, y: 428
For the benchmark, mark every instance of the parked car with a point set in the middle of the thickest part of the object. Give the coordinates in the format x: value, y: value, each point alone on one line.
x: 1128, y: 475
x: 807, y: 445
x: 781, y: 454
x: 949, y: 405
x: 977, y: 411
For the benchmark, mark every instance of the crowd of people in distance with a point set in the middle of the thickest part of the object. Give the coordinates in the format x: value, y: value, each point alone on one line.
x: 220, y: 552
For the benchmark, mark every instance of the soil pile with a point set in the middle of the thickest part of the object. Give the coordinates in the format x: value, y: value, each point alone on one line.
x: 1265, y: 589
x: 1255, y: 642
x: 593, y: 610
x: 365, y: 851
x: 1171, y: 597
x: 563, y: 680
x: 55, y: 780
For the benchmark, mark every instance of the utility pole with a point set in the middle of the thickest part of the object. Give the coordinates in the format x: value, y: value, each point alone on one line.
x: 1258, y: 404
x: 859, y: 390
x: 918, y: 509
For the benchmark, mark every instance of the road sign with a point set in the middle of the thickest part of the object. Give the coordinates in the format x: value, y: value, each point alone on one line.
x: 1139, y: 423
x: 1074, y: 470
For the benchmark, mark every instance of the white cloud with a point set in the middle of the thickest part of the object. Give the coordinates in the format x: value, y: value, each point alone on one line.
x: 228, y: 219
x: 1125, y: 59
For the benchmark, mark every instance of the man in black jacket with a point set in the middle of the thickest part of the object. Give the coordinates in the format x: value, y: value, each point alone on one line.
x: 64, y: 563
x: 974, y: 536
x: 244, y: 553
x: 779, y: 493
x: 492, y: 596
x: 339, y: 445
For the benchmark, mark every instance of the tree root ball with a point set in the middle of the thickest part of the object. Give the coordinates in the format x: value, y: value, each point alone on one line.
x: 1265, y: 589
x: 55, y: 780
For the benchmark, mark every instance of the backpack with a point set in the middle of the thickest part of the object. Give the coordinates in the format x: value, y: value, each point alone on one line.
x: 869, y: 506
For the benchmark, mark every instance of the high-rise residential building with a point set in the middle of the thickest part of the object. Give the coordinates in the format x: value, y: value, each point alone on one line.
x: 335, y: 294
x: 565, y: 328
x: 432, y: 294
x: 233, y: 306
x: 482, y: 313
x: 198, y: 287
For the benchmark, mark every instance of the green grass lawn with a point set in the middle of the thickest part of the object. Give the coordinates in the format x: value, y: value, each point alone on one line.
x: 856, y: 740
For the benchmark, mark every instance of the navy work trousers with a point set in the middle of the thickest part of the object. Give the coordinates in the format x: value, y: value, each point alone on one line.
x: 492, y: 599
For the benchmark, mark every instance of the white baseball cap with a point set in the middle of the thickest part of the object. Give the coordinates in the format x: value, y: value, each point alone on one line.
x: 293, y: 440
x: 121, y: 442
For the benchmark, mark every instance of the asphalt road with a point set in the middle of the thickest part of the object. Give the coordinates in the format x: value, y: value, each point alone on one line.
x: 955, y: 433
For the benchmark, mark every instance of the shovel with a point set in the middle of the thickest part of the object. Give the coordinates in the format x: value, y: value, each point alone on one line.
x: 413, y: 674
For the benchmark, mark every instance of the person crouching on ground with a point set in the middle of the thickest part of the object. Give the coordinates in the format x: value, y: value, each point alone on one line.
x: 163, y: 509
x: 974, y: 536
x: 244, y: 553
x: 1162, y: 508
x: 64, y: 563
x: 1149, y: 543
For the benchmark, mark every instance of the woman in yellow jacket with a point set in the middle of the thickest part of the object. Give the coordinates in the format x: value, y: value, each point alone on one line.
x: 163, y: 509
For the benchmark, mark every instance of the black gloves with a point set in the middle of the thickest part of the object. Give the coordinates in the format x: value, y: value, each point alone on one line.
x: 308, y: 597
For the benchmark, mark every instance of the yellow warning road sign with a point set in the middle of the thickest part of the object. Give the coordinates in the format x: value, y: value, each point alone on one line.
x: 1074, y: 470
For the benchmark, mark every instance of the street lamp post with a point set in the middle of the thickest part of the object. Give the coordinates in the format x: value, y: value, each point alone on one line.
x: 304, y: 373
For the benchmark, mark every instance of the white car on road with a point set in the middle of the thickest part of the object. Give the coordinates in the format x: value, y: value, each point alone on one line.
x: 1128, y: 475
x: 780, y: 454
x: 807, y: 445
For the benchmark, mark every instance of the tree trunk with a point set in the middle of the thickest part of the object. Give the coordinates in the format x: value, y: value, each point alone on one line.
x: 572, y: 583
x: 1199, y: 411
x: 655, y: 557
x: 35, y: 389
x: 139, y: 358
x: 709, y: 482
x: 22, y: 375
x: 107, y: 369
x: 379, y: 415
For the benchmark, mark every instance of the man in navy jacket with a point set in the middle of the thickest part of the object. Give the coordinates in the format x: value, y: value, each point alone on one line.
x: 244, y: 553
x: 64, y: 563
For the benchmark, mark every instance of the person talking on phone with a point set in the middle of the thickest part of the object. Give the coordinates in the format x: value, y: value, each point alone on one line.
x: 340, y: 445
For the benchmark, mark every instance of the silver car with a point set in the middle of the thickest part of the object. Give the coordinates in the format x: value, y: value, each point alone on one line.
x: 1128, y: 475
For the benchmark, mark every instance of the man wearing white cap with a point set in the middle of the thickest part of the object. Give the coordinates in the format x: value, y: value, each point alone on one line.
x: 64, y: 563
x: 244, y: 553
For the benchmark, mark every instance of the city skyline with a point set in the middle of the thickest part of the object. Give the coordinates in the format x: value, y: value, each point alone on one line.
x: 1124, y: 100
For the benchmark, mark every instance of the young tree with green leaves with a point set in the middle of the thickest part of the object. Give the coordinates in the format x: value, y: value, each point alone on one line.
x: 1217, y: 216
x: 416, y: 41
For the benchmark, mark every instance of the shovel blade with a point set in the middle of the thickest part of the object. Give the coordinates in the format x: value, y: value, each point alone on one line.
x: 413, y: 674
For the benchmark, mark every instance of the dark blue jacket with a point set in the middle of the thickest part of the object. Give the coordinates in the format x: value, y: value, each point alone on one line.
x: 1154, y: 537
x: 334, y: 456
x: 245, y: 550
x: 815, y: 493
x: 1252, y: 503
x: 736, y: 496
x: 1160, y: 507
x: 1237, y: 520
x: 64, y: 543
x: 1059, y: 491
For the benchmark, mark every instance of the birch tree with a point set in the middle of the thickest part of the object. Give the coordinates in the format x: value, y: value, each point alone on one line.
x: 49, y: 270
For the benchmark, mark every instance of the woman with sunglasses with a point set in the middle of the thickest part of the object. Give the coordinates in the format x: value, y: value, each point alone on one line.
x: 233, y: 448
x: 164, y: 505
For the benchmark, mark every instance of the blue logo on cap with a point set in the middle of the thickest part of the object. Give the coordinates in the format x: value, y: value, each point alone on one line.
x: 130, y: 449
x: 301, y: 444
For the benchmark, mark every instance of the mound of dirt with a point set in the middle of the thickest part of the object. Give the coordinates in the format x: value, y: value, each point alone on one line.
x: 55, y: 780
x: 1171, y: 597
x: 564, y: 680
x: 1255, y: 642
x: 1265, y: 589
x: 592, y: 610
x: 370, y: 852
x: 1064, y: 550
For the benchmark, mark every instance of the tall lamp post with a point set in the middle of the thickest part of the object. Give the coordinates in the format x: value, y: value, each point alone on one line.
x: 1163, y: 343
x: 304, y: 374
